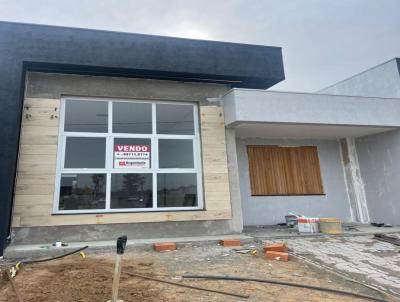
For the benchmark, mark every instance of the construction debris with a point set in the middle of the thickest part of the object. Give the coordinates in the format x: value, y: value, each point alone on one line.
x: 251, y: 251
x: 386, y: 238
x: 13, y: 270
x: 164, y: 246
x: 229, y: 242
x: 276, y: 247
x: 271, y: 255
x: 18, y: 294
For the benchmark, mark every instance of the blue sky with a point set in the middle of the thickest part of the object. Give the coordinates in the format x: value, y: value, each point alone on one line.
x: 323, y: 41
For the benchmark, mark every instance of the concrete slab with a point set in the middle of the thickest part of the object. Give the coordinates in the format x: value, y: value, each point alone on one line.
x: 276, y: 232
x: 361, y: 258
x: 46, y: 249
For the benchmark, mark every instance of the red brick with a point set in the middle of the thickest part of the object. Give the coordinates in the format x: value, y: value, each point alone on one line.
x: 270, y: 255
x: 230, y: 242
x: 164, y: 246
x: 276, y: 247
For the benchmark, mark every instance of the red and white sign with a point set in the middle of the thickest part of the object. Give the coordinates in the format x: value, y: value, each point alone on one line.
x: 131, y: 156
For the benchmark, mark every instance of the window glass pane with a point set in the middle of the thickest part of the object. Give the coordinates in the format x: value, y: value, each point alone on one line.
x: 85, y: 152
x: 175, y: 119
x: 131, y: 118
x: 132, y: 153
x: 176, y: 190
x: 86, y: 116
x: 82, y: 191
x: 131, y: 190
x: 175, y: 153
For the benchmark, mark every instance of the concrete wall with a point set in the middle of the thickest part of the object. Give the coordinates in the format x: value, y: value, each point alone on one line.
x: 265, y: 210
x: 261, y: 106
x: 379, y: 155
x: 379, y: 81
x: 379, y: 159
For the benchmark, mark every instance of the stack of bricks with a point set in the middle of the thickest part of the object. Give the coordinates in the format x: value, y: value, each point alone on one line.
x: 276, y: 251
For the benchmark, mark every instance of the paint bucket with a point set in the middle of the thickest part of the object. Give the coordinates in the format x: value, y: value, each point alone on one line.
x: 291, y: 221
x: 308, y: 225
x: 331, y: 226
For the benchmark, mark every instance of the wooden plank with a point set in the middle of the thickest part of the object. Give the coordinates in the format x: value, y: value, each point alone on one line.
x: 38, y: 139
x: 41, y: 102
x: 215, y: 197
x: 41, y: 111
x: 40, y: 121
x: 34, y: 129
x: 36, y: 168
x: 22, y: 200
x: 214, y: 168
x: 38, y: 150
x: 37, y: 158
x: 216, y: 178
x: 34, y: 189
x: 33, y: 209
x: 123, y: 218
x: 284, y: 170
x: 215, y: 158
x: 26, y: 179
x: 16, y: 221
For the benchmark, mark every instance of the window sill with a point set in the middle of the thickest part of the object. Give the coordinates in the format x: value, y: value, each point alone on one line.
x: 130, y: 211
x: 283, y: 195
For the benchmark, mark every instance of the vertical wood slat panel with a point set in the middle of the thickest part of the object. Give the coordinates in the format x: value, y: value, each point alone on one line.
x: 278, y: 170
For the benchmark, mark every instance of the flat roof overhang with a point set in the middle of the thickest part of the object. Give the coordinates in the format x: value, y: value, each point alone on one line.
x: 272, y: 114
x: 27, y: 47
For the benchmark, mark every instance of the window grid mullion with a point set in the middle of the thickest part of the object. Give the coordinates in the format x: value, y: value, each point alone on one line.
x: 154, y: 158
x: 109, y: 165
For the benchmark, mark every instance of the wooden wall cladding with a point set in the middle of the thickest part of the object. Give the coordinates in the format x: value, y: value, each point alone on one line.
x: 36, y: 172
x: 278, y: 170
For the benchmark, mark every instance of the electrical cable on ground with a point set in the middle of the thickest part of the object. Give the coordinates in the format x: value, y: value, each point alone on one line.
x: 395, y: 297
x: 188, y: 286
x: 55, y: 257
x: 276, y: 282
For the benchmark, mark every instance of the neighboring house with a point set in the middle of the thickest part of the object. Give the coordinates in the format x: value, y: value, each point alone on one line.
x: 110, y: 133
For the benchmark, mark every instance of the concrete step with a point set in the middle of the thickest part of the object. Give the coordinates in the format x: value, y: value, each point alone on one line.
x: 32, y: 251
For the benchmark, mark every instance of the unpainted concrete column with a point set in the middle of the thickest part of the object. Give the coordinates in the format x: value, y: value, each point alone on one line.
x: 354, y: 181
x: 234, y: 184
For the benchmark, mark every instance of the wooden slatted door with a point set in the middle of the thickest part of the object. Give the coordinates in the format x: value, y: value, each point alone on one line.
x: 278, y: 170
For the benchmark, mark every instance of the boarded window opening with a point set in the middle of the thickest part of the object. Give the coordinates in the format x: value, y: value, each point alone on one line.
x: 284, y: 170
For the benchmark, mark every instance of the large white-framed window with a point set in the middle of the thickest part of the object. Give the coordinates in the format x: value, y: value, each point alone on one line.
x: 117, y: 155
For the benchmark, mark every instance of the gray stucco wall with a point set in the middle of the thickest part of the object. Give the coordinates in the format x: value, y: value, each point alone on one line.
x: 380, y: 81
x: 266, y: 210
x: 379, y: 159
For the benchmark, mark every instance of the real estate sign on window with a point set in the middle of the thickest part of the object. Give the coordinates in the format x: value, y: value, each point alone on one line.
x: 132, y: 156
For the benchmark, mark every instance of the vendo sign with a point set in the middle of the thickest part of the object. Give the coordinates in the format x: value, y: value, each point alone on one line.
x: 131, y: 148
x: 131, y: 156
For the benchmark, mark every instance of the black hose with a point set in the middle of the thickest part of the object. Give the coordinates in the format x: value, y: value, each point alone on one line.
x: 324, y: 289
x: 54, y: 258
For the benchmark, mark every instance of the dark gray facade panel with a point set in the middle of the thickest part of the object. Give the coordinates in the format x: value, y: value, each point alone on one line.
x: 80, y: 51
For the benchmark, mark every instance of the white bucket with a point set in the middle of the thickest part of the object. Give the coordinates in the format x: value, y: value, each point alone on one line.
x: 308, y: 225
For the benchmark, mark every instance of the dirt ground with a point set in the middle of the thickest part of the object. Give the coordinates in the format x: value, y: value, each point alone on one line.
x: 76, y: 279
